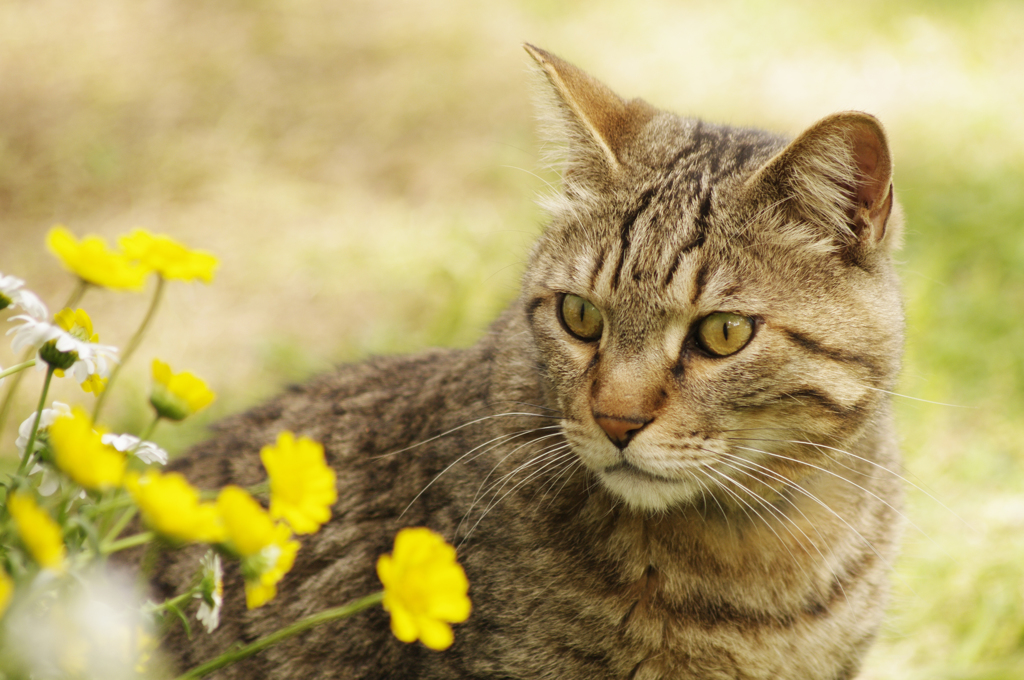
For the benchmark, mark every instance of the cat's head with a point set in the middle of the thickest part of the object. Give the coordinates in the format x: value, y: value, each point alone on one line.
x: 714, y: 308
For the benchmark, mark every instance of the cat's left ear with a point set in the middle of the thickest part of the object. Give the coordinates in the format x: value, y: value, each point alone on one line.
x: 837, y: 174
x: 597, y: 125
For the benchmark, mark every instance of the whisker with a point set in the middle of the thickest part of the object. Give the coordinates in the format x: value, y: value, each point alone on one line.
x: 747, y: 464
x: 705, y: 491
x: 566, y: 472
x: 835, y: 514
x: 545, y: 456
x: 526, y: 403
x: 504, y: 437
x: 706, y: 469
x: 457, y: 428
x: 837, y: 476
x: 480, y: 492
x: 898, y: 476
x: 558, y: 457
x: 550, y: 447
x: 926, y: 401
x: 767, y: 506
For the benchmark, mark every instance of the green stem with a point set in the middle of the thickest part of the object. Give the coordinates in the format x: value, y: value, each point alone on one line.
x: 174, y: 601
x: 130, y: 348
x: 127, y: 542
x: 108, y: 504
x: 261, y: 489
x: 119, y: 525
x: 17, y: 367
x: 305, y: 624
x: 29, y: 453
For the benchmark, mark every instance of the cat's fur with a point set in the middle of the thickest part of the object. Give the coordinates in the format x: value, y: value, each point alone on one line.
x: 745, y: 528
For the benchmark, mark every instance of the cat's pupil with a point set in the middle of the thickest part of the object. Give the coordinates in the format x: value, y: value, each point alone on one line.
x: 721, y: 334
x: 581, y: 318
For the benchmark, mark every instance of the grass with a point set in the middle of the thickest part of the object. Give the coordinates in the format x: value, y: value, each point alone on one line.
x: 366, y: 172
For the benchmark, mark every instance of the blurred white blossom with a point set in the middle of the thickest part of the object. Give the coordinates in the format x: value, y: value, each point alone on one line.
x: 147, y: 452
x: 89, y: 626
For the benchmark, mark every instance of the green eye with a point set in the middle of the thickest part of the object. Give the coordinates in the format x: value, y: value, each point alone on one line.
x: 581, y: 318
x: 722, y: 333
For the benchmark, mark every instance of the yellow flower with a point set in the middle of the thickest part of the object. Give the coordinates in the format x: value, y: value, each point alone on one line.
x: 92, y: 261
x: 79, y: 451
x: 78, y: 323
x: 425, y: 588
x: 171, y: 507
x: 42, y: 536
x: 302, y: 488
x: 176, y: 396
x: 167, y: 257
x: 94, y: 384
x: 266, y: 548
x: 6, y: 590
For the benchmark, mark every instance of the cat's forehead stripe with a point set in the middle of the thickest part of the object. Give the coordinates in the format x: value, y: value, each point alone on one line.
x: 626, y: 231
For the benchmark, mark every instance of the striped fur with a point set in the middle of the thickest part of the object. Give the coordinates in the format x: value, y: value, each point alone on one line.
x: 744, y: 529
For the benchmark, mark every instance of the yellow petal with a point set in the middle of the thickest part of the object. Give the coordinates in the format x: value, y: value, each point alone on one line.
x: 435, y: 634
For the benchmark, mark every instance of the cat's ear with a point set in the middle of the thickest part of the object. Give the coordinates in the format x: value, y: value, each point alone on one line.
x: 837, y: 174
x: 597, y: 124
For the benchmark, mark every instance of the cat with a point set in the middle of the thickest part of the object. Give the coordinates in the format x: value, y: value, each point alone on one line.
x: 671, y: 457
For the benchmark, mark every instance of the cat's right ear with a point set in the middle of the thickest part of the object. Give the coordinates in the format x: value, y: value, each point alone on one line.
x: 596, y: 124
x: 835, y: 182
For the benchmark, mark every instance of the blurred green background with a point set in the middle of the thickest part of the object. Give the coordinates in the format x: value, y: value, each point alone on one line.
x: 366, y: 172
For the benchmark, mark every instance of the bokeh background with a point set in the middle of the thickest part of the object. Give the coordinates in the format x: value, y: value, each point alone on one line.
x: 366, y: 171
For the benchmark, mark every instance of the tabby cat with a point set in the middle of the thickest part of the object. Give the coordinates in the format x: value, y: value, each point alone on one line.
x: 671, y: 457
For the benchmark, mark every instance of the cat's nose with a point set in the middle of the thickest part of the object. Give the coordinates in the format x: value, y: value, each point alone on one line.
x: 620, y: 430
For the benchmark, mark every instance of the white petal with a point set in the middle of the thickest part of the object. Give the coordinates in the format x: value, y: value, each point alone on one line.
x: 28, y: 301
x: 121, y: 442
x: 147, y: 452
x: 150, y: 453
x: 66, y: 343
x: 31, y: 333
x: 49, y: 483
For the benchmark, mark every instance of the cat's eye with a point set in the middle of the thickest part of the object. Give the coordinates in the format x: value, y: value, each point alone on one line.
x: 722, y: 333
x: 581, y: 318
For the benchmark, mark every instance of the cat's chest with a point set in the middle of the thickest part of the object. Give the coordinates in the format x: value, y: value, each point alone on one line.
x: 628, y: 599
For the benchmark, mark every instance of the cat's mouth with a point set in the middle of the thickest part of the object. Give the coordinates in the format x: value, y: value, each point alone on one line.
x: 627, y: 468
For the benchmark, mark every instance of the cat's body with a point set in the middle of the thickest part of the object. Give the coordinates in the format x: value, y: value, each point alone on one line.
x: 697, y: 482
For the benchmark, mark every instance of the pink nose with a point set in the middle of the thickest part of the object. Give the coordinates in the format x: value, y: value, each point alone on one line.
x: 620, y: 430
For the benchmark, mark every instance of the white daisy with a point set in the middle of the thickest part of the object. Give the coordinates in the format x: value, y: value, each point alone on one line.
x: 147, y: 452
x: 49, y: 415
x: 32, y: 333
x: 50, y: 481
x: 92, y: 358
x: 13, y: 295
x: 211, y: 593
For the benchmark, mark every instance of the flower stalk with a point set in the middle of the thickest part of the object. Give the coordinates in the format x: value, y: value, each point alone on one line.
x: 29, y: 448
x: 133, y: 541
x: 300, y: 626
x: 133, y: 344
x: 16, y: 368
